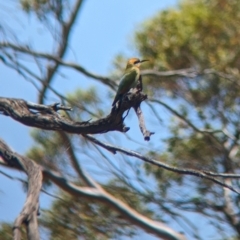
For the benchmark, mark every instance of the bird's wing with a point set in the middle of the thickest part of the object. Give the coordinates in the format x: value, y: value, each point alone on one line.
x: 127, y: 81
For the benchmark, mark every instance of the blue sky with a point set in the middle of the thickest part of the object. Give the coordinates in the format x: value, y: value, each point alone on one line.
x: 103, y: 29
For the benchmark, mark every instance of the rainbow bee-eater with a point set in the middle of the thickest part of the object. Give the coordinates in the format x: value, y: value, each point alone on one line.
x: 129, y: 79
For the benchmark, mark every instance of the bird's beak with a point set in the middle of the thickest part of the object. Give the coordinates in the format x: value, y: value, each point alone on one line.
x: 144, y: 60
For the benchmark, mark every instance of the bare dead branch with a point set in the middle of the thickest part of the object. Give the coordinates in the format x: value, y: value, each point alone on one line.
x: 28, y: 215
x: 48, y: 108
x: 47, y: 118
x: 188, y: 72
x: 147, y: 134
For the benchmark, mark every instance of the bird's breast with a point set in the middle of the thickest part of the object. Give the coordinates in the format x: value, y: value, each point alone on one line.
x: 129, y: 80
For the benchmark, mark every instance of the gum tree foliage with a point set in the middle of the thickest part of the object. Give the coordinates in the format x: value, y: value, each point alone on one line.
x: 193, y: 76
x: 203, y: 38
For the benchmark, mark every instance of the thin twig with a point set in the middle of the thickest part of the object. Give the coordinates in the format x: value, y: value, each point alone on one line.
x: 187, y: 171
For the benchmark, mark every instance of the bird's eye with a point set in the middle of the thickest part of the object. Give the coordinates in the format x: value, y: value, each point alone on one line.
x: 136, y: 62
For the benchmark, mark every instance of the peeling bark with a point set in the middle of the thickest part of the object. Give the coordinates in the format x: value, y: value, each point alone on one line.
x: 28, y: 215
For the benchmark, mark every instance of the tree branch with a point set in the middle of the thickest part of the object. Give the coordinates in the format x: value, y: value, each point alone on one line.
x: 28, y: 215
x: 47, y: 117
x: 134, y: 217
x: 147, y: 134
x: 207, y: 132
x: 58, y: 60
x: 73, y: 159
x: 228, y: 209
x: 66, y: 29
x: 188, y: 72
x: 187, y: 171
x: 157, y: 228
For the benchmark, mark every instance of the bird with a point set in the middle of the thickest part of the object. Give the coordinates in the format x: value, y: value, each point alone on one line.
x: 129, y: 79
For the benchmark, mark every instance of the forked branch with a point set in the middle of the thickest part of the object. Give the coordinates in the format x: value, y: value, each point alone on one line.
x: 47, y: 117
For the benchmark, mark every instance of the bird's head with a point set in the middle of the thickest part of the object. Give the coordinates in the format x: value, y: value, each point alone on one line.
x: 134, y: 62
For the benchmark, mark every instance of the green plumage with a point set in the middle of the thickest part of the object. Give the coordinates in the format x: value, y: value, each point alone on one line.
x: 128, y: 81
